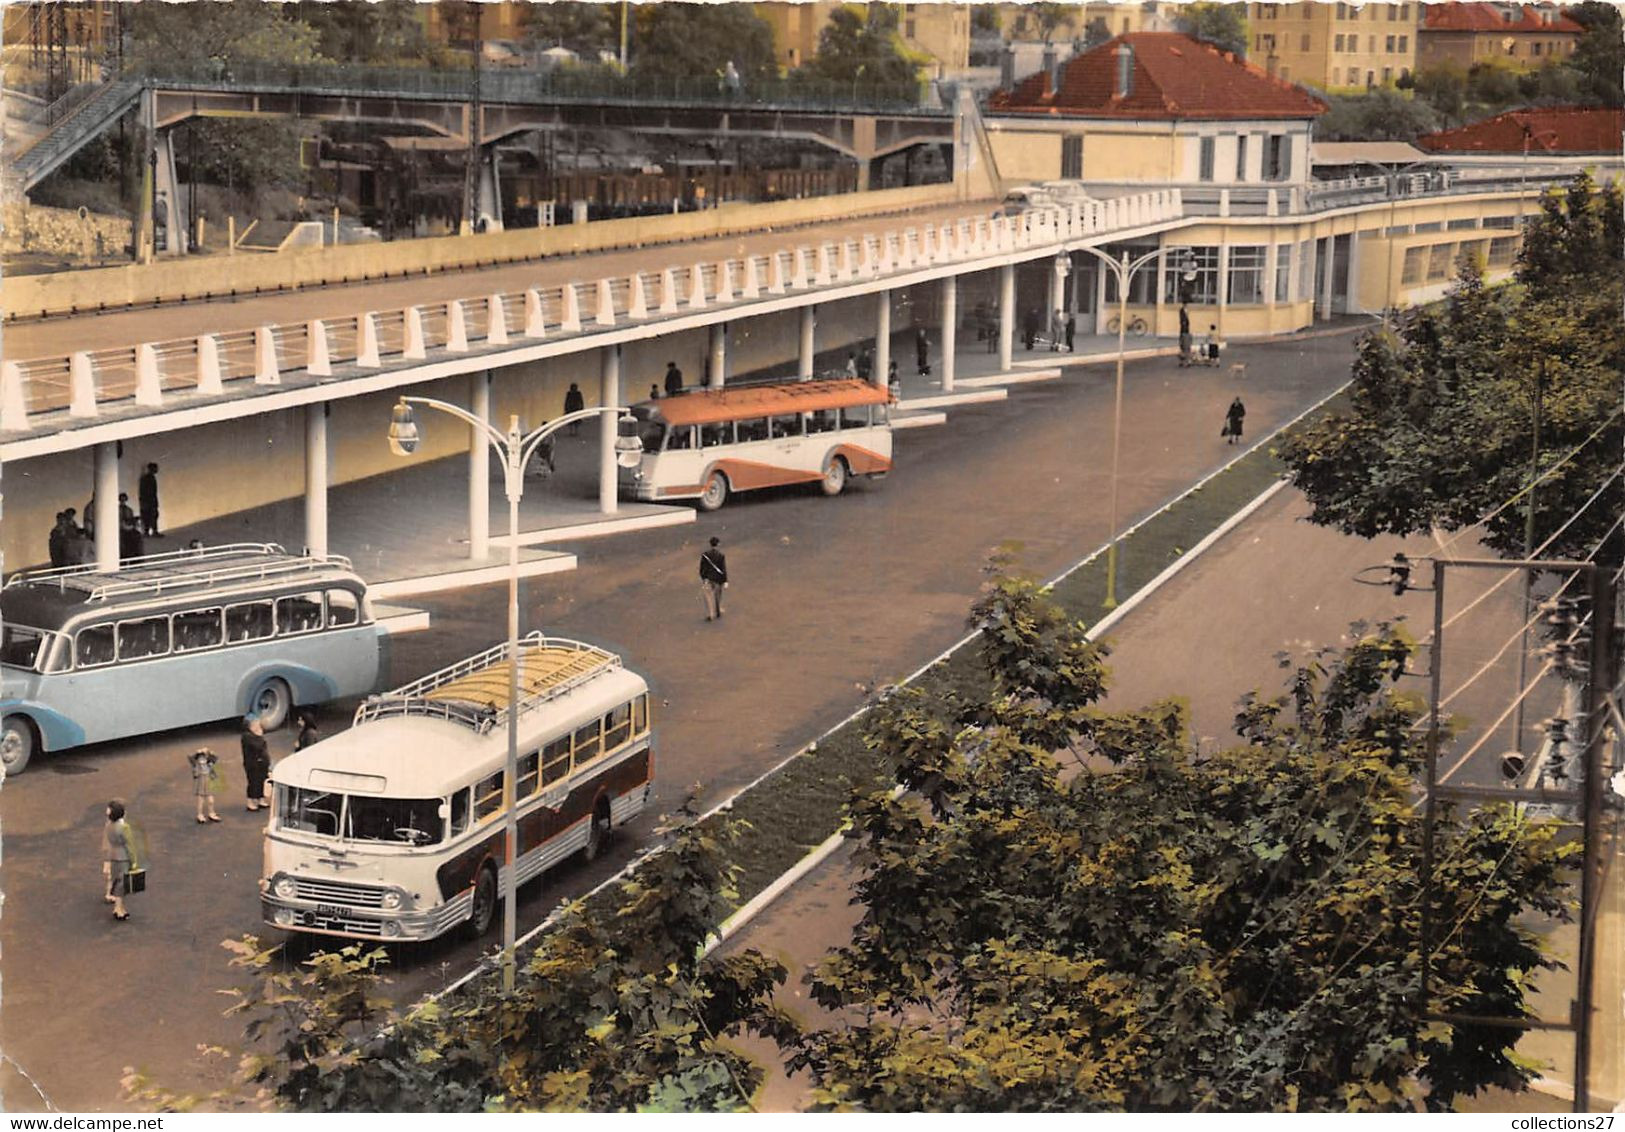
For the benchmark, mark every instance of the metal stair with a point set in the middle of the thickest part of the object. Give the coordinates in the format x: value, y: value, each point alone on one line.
x: 32, y: 165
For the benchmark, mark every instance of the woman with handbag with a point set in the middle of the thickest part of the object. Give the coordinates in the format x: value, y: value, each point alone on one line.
x: 117, y: 858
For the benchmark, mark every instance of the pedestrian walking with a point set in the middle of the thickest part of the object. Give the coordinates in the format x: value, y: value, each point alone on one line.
x: 1233, y: 417
x: 922, y: 352
x: 1071, y: 330
x: 674, y: 379
x: 654, y: 392
x: 1184, y: 337
x: 89, y: 525
x: 147, y: 495
x: 713, y: 578
x: 1057, y: 330
x: 308, y: 734
x: 1029, y: 327
x: 124, y: 511
x: 118, y: 857
x: 62, y: 535
x: 574, y: 402
x: 866, y: 364
x: 256, y: 761
x: 205, y: 783
x: 1210, y: 348
x: 851, y: 365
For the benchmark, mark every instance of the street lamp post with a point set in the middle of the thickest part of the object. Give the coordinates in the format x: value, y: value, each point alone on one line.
x: 516, y: 449
x: 1123, y: 270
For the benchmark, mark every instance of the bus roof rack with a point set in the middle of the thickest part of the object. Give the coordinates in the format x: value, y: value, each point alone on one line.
x: 178, y: 569
x: 474, y: 692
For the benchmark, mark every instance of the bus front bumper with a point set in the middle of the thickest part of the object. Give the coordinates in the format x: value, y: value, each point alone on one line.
x: 297, y: 915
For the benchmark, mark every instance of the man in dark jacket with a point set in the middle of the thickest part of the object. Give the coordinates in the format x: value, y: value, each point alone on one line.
x: 256, y: 761
x: 713, y: 579
x: 147, y: 493
x: 674, y: 379
x: 574, y: 402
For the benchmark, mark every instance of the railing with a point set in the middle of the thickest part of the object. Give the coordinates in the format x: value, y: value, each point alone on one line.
x: 151, y: 372
x: 562, y: 84
x: 186, y: 572
x: 415, y: 698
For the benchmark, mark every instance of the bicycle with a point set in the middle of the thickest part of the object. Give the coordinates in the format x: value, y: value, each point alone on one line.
x: 1136, y: 326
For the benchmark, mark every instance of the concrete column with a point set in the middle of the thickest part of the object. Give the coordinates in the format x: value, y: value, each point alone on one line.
x: 809, y: 351
x: 717, y: 374
x: 609, y: 393
x: 1330, y: 246
x: 1056, y: 294
x: 479, y: 468
x: 1007, y: 315
x: 950, y: 330
x: 167, y: 196
x: 488, y: 193
x: 882, y: 338
x: 316, y: 467
x: 1354, y: 274
x: 106, y: 516
x: 1224, y: 286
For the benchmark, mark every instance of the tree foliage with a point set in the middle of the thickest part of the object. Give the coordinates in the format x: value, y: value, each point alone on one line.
x: 685, y: 41
x: 862, y: 47
x: 584, y: 28
x: 1223, y: 25
x: 208, y: 33
x: 1599, y: 56
x: 1158, y: 931
x: 1381, y: 115
x: 385, y: 31
x: 1441, y: 418
x: 617, y: 1010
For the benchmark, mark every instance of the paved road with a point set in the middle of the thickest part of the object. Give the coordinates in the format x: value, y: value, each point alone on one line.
x: 829, y: 596
x: 59, y: 336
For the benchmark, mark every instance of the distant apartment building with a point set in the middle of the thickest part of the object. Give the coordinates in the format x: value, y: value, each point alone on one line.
x: 1336, y: 46
x: 1524, y: 35
x: 796, y: 28
x: 1121, y: 19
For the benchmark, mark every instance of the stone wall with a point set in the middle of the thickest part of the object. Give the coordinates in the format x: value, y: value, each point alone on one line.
x: 62, y: 232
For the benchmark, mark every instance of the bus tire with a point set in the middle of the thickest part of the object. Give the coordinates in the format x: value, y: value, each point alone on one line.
x: 271, y: 702
x: 835, y: 473
x: 18, y: 742
x: 598, y: 833
x: 715, y: 492
x: 483, y: 909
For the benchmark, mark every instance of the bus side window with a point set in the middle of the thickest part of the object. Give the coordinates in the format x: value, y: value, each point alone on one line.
x: 299, y: 613
x: 146, y: 637
x: 587, y: 743
x: 343, y: 608
x: 855, y: 416
x: 715, y: 435
x: 821, y: 421
x: 197, y: 629
x: 680, y: 437
x: 459, y: 811
x: 488, y: 796
x: 527, y: 775
x: 251, y: 621
x: 753, y: 429
x: 617, y: 726
x: 640, y: 715
x: 94, y: 646
x: 556, y: 760
x: 784, y: 427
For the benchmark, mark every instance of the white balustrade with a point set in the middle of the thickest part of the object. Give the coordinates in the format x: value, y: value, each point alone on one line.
x: 208, y: 366
x: 13, y: 400
x: 366, y: 334
x: 604, y: 314
x: 496, y: 322
x: 535, y: 314
x: 318, y: 359
x: 415, y: 346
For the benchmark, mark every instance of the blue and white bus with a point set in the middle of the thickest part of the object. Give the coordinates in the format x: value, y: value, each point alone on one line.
x: 176, y: 639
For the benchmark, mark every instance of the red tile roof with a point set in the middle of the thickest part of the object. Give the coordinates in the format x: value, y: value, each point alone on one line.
x: 1174, y: 77
x: 1559, y: 129
x: 1492, y: 18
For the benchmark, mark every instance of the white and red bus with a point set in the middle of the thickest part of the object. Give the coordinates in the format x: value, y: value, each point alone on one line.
x: 394, y: 829
x: 707, y: 443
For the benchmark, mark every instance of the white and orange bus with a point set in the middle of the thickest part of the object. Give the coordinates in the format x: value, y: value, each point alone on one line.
x: 707, y: 443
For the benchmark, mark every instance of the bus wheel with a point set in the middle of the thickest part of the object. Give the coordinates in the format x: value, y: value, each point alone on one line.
x: 597, y: 833
x: 17, y: 743
x: 715, y: 493
x: 271, y: 703
x: 834, y: 476
x: 484, y: 908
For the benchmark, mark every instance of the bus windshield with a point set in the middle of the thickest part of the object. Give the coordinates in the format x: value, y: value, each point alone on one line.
x: 651, y: 432
x: 23, y: 647
x: 400, y: 821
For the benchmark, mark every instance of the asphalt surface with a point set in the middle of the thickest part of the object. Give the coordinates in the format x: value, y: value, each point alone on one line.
x: 828, y: 597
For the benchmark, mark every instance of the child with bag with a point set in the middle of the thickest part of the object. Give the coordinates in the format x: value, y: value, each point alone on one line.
x: 206, y: 781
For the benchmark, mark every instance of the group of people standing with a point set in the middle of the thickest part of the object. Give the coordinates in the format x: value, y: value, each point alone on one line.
x: 121, y: 846
x: 72, y: 542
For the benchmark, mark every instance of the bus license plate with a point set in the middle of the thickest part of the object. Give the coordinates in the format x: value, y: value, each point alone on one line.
x: 332, y: 912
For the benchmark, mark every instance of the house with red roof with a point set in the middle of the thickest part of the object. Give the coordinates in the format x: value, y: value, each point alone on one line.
x: 1549, y: 131
x: 1523, y: 35
x: 1156, y: 107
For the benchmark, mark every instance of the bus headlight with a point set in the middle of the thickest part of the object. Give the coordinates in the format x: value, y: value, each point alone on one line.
x: 392, y: 901
x: 284, y: 888
x: 283, y: 917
